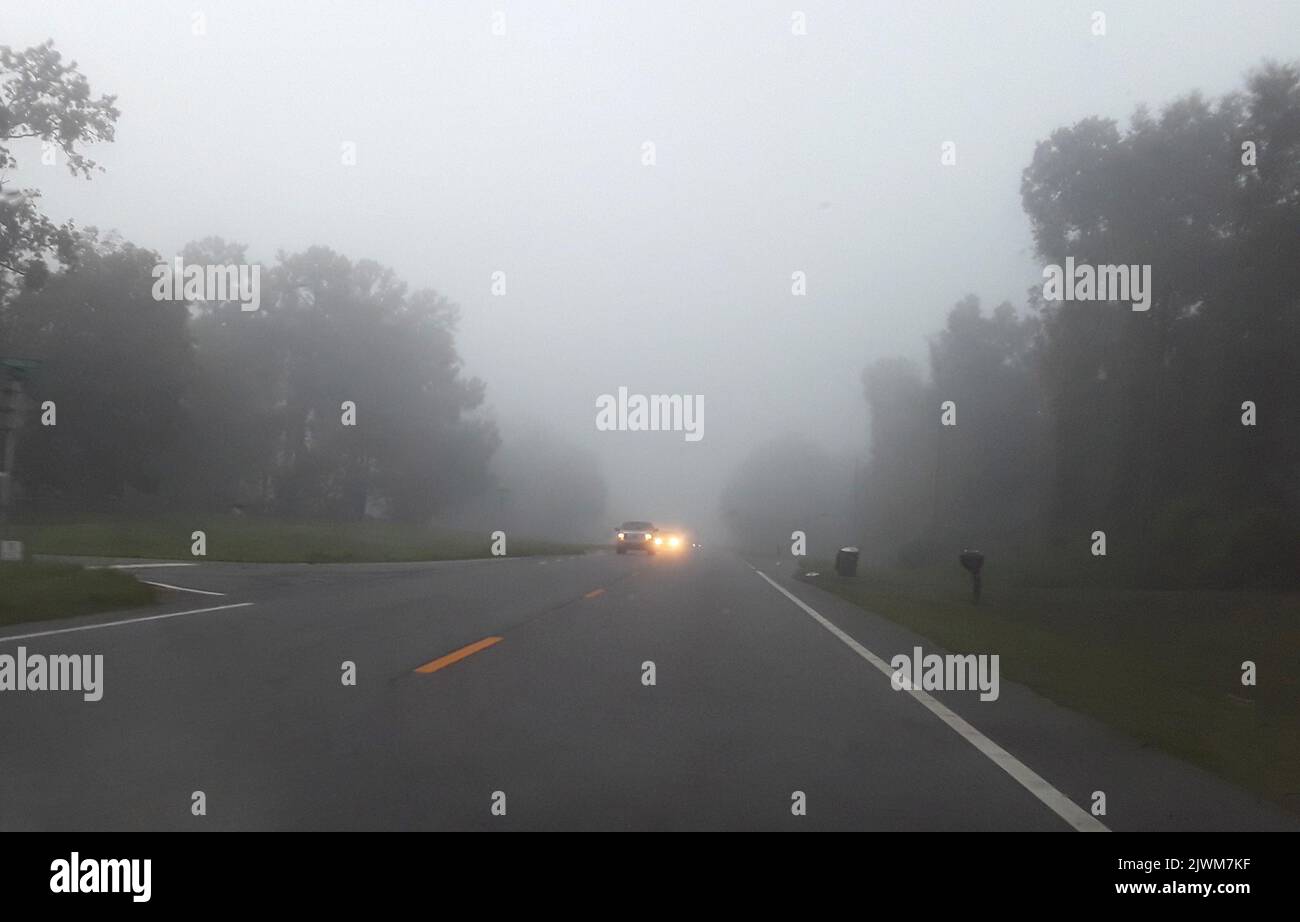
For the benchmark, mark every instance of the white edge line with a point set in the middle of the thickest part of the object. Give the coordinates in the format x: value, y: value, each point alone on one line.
x: 95, y: 627
x: 1062, y: 806
x: 139, y: 566
x: 180, y: 588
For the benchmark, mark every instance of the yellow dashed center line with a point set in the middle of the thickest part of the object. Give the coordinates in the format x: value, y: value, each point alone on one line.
x: 444, y: 661
x: 594, y: 593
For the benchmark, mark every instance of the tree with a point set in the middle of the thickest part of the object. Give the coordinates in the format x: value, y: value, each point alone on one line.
x: 784, y: 485
x: 1146, y: 405
x: 331, y: 331
x: 43, y: 98
x: 117, y: 365
x: 542, y: 486
x: 990, y: 465
x: 901, y: 482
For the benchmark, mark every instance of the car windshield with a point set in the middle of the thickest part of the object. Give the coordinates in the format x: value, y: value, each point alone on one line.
x: 637, y: 526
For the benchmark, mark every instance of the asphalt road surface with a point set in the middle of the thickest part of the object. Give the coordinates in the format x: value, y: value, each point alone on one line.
x: 764, y: 687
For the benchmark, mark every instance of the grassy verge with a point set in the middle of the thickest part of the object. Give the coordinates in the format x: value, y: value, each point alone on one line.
x: 39, y: 591
x: 257, y: 540
x: 1163, y: 666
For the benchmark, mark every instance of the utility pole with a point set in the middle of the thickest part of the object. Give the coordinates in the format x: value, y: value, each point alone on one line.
x: 13, y: 404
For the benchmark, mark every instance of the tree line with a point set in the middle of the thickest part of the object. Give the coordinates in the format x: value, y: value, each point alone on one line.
x: 1174, y: 431
x: 341, y: 396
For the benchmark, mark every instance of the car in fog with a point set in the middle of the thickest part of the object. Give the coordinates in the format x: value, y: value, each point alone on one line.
x: 637, y: 536
x: 671, y: 541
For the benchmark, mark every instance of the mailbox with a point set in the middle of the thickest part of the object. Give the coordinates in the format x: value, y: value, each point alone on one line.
x: 972, y: 561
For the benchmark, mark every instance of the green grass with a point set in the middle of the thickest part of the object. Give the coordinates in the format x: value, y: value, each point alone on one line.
x: 257, y: 540
x: 39, y: 591
x: 1162, y: 666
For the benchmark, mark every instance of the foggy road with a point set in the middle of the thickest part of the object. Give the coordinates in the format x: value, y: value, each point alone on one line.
x: 513, y: 694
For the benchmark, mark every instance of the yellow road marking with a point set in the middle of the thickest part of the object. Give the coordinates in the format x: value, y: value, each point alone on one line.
x: 459, y: 655
x: 594, y: 593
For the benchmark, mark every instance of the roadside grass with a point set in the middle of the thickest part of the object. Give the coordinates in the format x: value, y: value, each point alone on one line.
x: 1163, y: 666
x: 258, y: 540
x: 41, y: 591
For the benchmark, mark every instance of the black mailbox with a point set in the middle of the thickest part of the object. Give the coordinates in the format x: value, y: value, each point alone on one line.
x: 973, y: 561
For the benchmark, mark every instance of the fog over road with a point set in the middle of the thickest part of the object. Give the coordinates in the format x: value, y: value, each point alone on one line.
x: 753, y: 700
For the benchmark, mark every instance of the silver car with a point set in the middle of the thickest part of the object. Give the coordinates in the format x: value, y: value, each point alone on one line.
x: 635, y: 536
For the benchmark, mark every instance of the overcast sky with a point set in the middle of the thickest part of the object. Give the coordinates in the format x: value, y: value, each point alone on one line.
x: 522, y: 153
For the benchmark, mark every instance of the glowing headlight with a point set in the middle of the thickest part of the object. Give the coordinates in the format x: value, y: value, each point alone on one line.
x: 647, y: 536
x: 621, y: 536
x: 659, y: 540
x: 674, y: 541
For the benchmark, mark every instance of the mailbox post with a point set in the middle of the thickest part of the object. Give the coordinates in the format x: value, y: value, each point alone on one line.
x: 973, y: 561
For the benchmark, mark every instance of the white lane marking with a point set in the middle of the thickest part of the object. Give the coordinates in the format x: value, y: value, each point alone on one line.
x: 95, y: 627
x: 1062, y: 806
x: 139, y: 566
x: 180, y: 588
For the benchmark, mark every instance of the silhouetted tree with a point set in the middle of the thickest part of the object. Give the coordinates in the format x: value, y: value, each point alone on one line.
x: 44, y: 99
x: 118, y: 366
